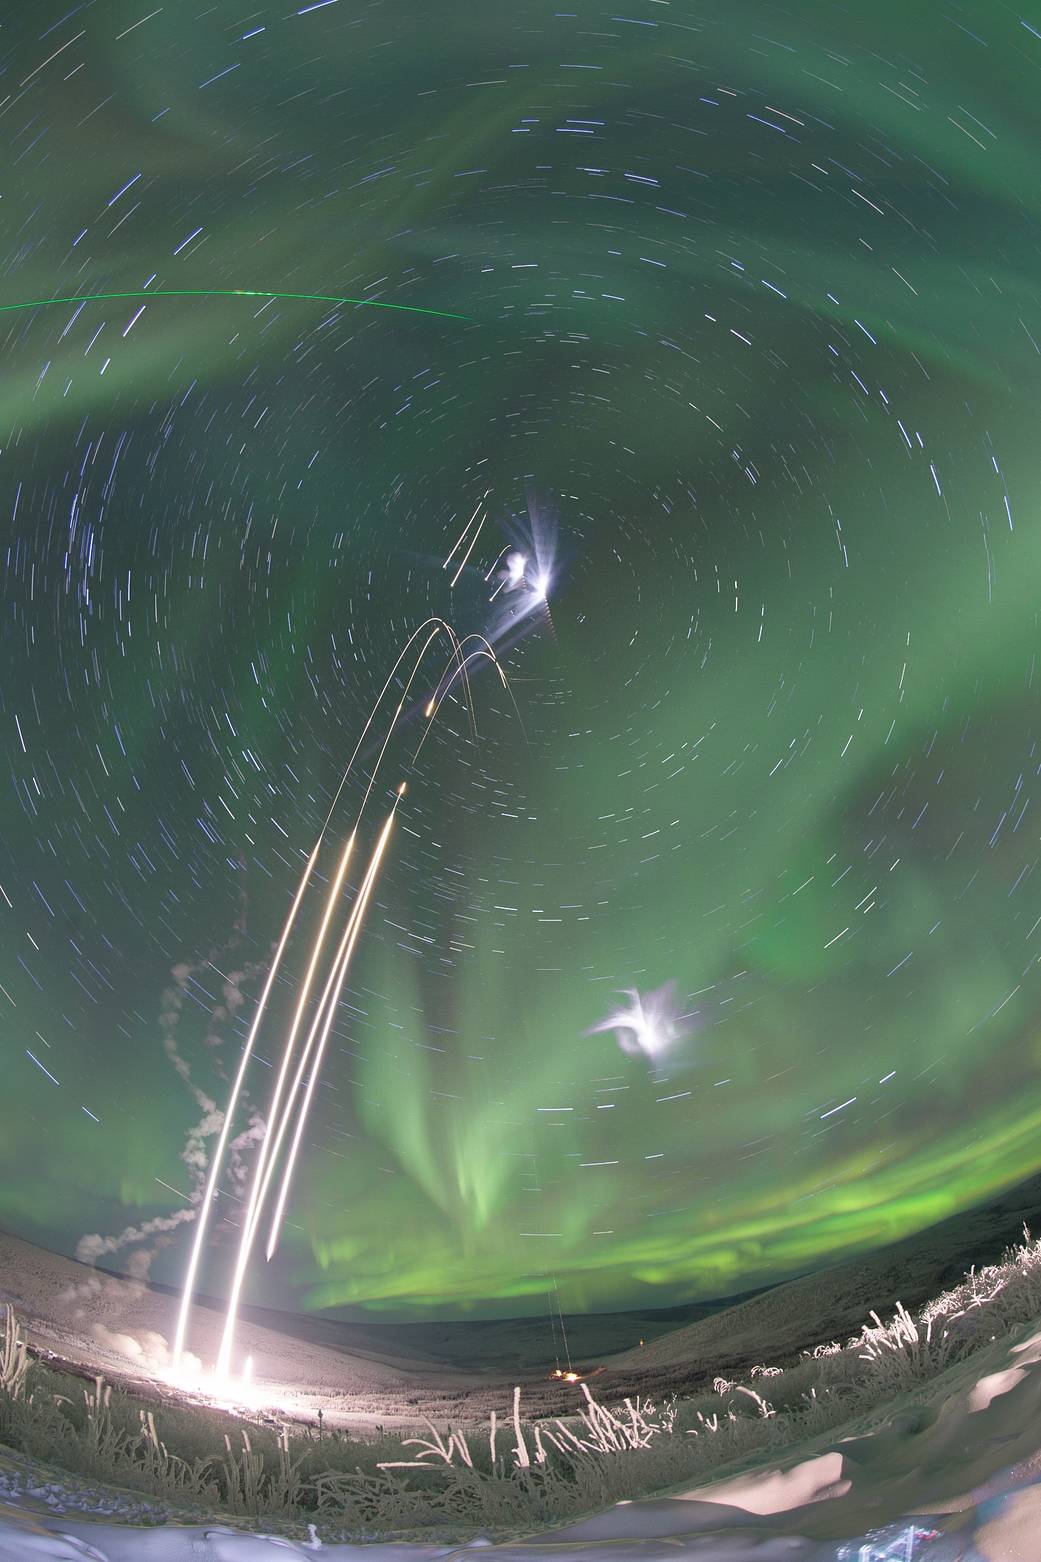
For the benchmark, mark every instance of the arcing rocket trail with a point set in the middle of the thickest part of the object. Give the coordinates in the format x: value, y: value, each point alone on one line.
x: 310, y: 1057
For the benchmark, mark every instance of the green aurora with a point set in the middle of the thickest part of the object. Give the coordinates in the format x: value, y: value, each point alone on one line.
x: 751, y: 317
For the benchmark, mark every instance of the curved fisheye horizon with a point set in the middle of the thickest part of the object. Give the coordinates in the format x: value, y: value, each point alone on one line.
x: 520, y: 708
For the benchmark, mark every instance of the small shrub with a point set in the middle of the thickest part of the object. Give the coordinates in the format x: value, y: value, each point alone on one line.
x: 14, y: 1357
x: 505, y: 1478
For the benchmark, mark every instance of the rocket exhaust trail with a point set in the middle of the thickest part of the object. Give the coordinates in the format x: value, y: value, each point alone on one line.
x: 347, y: 950
x: 278, y: 1123
x: 312, y: 1053
x: 218, y: 1154
x: 265, y: 1147
x: 262, y: 1177
x: 457, y: 667
x: 436, y: 627
x: 275, y: 1129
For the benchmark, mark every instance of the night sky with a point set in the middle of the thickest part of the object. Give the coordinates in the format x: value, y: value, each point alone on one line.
x: 737, y: 323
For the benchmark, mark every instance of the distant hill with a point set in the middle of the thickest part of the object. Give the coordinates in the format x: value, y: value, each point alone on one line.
x: 833, y: 1302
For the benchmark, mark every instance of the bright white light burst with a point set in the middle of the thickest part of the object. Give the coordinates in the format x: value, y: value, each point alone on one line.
x: 225, y: 1389
x: 650, y: 1025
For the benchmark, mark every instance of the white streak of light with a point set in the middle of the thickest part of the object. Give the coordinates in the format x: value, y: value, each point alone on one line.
x: 265, y: 1147
x: 279, y: 1123
x: 462, y: 534
x: 470, y: 549
x: 345, y: 960
x: 217, y: 1158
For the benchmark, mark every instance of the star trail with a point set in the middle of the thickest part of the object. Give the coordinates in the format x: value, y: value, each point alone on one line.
x: 691, y: 360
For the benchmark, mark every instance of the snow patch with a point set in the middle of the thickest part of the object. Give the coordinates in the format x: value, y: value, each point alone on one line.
x: 778, y: 1491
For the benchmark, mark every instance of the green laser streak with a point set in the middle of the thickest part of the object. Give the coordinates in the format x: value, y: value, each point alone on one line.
x: 230, y: 292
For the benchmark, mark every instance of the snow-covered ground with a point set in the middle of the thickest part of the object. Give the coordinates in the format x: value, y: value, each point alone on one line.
x: 950, y: 1473
x: 119, y: 1326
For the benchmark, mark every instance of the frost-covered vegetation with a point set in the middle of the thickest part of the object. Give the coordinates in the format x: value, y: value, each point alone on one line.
x: 511, y: 1475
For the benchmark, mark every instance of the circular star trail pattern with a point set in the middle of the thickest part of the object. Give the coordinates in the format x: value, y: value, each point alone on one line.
x: 751, y: 327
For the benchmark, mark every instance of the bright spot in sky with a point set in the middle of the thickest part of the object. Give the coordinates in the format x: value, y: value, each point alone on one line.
x: 515, y: 566
x: 651, y: 1023
x: 525, y: 572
